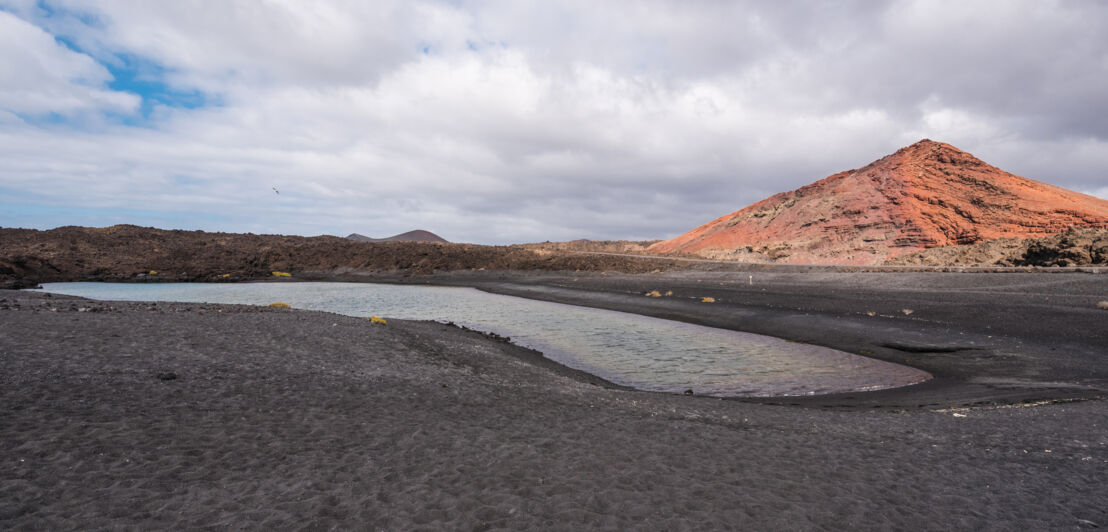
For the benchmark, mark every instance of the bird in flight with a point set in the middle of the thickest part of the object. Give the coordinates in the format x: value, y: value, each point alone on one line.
x: 276, y: 191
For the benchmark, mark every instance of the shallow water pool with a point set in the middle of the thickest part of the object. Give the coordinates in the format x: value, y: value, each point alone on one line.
x: 629, y: 349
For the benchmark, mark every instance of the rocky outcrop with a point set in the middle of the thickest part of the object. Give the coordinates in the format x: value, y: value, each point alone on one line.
x: 926, y: 195
x: 1074, y: 247
x: 130, y: 253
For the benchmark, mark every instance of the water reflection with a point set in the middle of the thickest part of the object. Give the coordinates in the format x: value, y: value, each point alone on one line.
x: 629, y: 349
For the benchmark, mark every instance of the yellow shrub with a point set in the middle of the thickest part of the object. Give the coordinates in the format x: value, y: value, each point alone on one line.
x: 653, y: 293
x: 282, y: 274
x: 708, y: 300
x: 278, y: 304
x: 226, y: 275
x: 153, y: 272
x: 375, y: 319
x: 669, y: 292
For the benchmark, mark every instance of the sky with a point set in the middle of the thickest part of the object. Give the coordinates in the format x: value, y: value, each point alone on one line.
x: 502, y: 122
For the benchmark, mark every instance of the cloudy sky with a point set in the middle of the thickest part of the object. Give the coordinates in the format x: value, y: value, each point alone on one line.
x: 502, y: 122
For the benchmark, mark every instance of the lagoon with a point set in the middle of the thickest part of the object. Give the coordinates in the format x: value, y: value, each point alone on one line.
x: 638, y: 351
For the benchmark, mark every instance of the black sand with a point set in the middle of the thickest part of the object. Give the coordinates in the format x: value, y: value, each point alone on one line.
x: 988, y: 338
x: 184, y: 416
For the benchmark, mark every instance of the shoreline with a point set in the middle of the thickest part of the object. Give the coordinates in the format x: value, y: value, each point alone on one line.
x: 177, y: 415
x: 552, y: 362
x: 1007, y: 344
x: 973, y: 361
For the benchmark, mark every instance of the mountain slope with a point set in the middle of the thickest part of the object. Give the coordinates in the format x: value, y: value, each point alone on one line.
x: 419, y: 235
x: 925, y: 195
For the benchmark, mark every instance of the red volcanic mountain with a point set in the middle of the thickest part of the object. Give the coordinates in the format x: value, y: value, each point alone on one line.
x: 925, y: 195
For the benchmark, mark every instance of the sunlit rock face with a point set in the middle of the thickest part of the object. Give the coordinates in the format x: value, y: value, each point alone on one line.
x: 925, y: 195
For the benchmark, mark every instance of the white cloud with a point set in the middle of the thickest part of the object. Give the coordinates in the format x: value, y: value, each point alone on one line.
x: 495, y: 122
x: 243, y: 45
x: 39, y: 75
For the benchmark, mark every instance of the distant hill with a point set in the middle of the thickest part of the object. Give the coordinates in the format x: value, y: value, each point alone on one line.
x: 593, y: 246
x: 419, y: 235
x: 131, y: 253
x: 926, y: 195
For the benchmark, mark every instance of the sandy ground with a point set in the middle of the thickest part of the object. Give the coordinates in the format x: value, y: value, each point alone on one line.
x: 988, y: 338
x: 133, y: 415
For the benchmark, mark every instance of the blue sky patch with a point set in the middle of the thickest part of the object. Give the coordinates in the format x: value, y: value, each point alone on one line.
x: 147, y: 79
x: 49, y: 11
x: 136, y: 75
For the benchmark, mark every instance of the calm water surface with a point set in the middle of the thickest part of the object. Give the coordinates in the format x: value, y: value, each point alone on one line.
x: 638, y: 351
